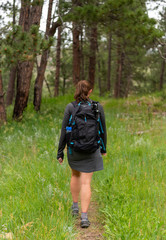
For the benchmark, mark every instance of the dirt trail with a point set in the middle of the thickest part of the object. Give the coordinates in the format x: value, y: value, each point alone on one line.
x: 95, y: 231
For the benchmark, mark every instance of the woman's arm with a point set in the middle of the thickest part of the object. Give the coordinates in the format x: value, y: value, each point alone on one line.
x: 103, y: 133
x: 62, y: 141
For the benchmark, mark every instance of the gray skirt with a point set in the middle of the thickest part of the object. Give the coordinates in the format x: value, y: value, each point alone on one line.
x: 85, y: 162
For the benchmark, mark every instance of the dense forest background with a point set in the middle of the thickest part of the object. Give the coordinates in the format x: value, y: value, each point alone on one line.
x: 113, y: 44
x: 46, y: 47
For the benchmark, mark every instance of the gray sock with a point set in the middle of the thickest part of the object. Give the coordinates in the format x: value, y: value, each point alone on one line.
x: 84, y: 215
x: 75, y: 204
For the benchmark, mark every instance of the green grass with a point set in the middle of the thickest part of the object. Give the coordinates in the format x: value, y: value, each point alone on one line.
x: 131, y: 190
x: 35, y: 195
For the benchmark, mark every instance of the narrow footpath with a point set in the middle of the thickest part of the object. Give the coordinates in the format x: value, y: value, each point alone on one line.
x: 96, y: 229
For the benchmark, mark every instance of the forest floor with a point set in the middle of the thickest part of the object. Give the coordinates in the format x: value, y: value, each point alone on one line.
x: 96, y: 229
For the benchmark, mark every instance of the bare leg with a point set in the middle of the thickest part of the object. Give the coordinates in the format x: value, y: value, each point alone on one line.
x: 75, y: 185
x: 85, y: 190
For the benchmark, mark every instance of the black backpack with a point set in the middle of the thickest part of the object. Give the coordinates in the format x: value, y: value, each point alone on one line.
x: 82, y: 132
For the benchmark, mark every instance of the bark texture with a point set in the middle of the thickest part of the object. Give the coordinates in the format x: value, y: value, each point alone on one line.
x: 58, y: 55
x: 11, y: 86
x: 24, y: 76
x: 39, y: 80
x: 99, y: 71
x: 109, y: 63
x: 2, y: 103
x: 82, y: 55
x: 162, y: 73
x: 76, y: 54
x: 29, y: 15
x: 129, y: 80
x: 92, y: 57
x: 118, y: 89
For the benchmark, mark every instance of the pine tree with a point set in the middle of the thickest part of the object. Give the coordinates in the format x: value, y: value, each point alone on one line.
x: 30, y: 15
x: 58, y: 53
x: 50, y: 31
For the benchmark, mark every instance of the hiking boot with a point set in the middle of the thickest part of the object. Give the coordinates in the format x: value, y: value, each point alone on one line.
x: 84, y: 223
x: 75, y: 211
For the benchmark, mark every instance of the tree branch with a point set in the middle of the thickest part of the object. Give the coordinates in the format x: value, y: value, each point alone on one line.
x: 53, y: 28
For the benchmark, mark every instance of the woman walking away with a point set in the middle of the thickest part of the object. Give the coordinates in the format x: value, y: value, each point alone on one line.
x: 84, y: 132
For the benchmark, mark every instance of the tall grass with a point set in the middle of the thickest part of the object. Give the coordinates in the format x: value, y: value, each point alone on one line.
x: 35, y: 198
x: 131, y: 189
x: 34, y: 194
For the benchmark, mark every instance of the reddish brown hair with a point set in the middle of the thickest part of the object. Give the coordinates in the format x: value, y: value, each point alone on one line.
x: 82, y: 89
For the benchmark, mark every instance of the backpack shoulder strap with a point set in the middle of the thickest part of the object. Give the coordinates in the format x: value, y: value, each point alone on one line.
x: 74, y: 103
x: 76, y: 108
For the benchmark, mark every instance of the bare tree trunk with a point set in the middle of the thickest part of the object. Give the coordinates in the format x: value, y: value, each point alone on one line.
x: 162, y: 74
x: 2, y: 103
x: 41, y: 70
x: 99, y: 71
x: 39, y: 80
x: 82, y: 55
x: 99, y: 77
x: 76, y: 54
x: 129, y: 78
x: 64, y: 84
x: 92, y: 58
x: 48, y: 87
x: 118, y: 73
x: 58, y: 55
x: 24, y: 76
x: 29, y: 15
x: 11, y: 86
x: 109, y: 63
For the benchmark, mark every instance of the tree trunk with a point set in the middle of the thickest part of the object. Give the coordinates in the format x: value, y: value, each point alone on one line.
x: 99, y: 77
x: 99, y: 71
x: 92, y: 58
x: 48, y: 87
x: 162, y: 74
x: 76, y: 54
x: 118, y: 73
x: 118, y: 82
x: 58, y: 55
x: 82, y: 55
x: 64, y: 84
x: 11, y: 86
x: 24, y: 15
x: 41, y: 70
x: 24, y: 76
x: 28, y: 16
x: 39, y: 80
x: 2, y: 103
x: 109, y: 63
x: 129, y: 78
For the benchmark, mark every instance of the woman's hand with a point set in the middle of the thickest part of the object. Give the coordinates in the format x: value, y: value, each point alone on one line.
x: 104, y: 154
x: 60, y: 160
